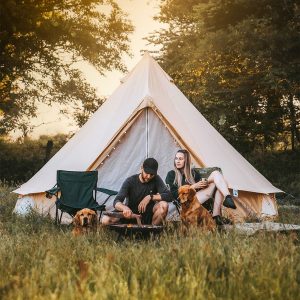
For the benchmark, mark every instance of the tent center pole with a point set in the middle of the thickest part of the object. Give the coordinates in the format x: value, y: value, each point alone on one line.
x: 147, y: 132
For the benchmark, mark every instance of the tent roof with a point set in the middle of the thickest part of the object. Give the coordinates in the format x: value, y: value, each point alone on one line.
x: 148, y: 85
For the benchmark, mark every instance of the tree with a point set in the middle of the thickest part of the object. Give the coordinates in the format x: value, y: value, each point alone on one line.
x: 21, y: 159
x: 237, y: 61
x: 41, y: 43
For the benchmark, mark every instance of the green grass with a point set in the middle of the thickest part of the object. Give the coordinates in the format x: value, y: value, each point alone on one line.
x: 41, y: 261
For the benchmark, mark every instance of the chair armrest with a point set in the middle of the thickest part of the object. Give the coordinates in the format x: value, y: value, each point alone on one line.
x: 107, y: 191
x: 52, y: 192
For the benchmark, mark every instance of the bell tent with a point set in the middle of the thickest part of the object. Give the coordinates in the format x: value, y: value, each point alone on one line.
x: 148, y: 116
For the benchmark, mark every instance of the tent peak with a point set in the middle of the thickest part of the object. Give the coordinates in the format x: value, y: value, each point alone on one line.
x: 144, y: 67
x: 148, y: 57
x: 146, y: 54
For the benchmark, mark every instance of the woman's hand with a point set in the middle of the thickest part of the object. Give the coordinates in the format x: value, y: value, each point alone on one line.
x: 143, y: 204
x: 202, y: 184
x: 127, y: 212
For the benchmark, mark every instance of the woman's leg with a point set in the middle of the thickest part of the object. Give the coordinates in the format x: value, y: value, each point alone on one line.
x: 207, y: 193
x: 217, y: 203
x: 204, y: 194
x: 218, y: 179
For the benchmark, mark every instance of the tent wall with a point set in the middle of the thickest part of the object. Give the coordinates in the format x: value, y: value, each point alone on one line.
x: 41, y: 204
x: 253, y: 206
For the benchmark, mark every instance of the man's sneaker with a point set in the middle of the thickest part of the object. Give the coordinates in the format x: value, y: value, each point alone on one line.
x: 228, y: 202
x: 222, y: 220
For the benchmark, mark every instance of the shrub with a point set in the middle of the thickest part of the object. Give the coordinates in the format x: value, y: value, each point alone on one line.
x: 282, y: 168
x: 20, y: 161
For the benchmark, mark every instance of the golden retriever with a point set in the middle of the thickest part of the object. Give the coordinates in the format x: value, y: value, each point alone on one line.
x: 85, y: 221
x: 192, y: 212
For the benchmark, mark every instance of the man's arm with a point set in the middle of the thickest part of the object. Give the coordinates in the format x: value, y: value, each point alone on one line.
x: 118, y: 202
x: 127, y: 212
x: 163, y: 192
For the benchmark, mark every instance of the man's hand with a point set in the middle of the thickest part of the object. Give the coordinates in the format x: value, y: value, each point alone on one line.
x: 127, y: 212
x: 143, y: 204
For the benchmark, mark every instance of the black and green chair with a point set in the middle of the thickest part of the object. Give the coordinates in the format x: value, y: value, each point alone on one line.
x: 205, y: 172
x: 76, y: 190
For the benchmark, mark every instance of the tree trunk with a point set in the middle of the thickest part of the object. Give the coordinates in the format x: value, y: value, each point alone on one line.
x: 293, y: 122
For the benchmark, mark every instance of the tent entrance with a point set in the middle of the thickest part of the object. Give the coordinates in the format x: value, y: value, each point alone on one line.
x: 147, y: 136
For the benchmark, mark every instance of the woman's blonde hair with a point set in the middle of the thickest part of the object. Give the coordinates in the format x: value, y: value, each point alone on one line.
x: 187, y: 171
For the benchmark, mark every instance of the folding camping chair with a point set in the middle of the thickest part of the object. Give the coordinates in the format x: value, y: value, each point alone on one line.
x: 77, y: 190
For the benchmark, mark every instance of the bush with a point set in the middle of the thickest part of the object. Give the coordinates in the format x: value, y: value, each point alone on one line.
x: 20, y: 161
x: 282, y: 168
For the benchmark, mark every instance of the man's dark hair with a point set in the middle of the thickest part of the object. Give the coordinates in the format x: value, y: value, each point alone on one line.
x: 150, y: 166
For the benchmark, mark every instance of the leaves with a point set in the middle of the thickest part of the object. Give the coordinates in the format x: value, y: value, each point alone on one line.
x: 41, y: 42
x: 237, y: 59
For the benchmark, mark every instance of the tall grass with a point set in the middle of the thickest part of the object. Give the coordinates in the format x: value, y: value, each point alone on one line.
x: 41, y: 261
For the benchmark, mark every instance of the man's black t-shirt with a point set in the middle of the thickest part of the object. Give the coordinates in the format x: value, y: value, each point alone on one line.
x: 135, y: 191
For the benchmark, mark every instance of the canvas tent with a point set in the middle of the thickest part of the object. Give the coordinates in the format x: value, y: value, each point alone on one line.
x: 148, y: 116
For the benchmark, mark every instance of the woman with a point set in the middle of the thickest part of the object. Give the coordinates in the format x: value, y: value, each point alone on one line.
x: 183, y: 174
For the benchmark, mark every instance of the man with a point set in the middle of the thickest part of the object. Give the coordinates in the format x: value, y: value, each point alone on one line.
x: 146, y: 194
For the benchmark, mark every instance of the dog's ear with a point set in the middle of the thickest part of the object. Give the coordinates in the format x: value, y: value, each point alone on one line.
x: 183, y: 189
x: 192, y: 193
x: 76, y: 219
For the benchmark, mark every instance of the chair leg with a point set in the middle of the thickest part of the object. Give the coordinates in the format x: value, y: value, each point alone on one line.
x: 60, y: 217
x: 100, y: 215
x: 56, y: 216
x: 177, y: 208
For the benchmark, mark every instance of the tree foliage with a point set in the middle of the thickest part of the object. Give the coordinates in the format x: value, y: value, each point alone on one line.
x: 238, y: 62
x: 41, y: 44
x: 20, y: 160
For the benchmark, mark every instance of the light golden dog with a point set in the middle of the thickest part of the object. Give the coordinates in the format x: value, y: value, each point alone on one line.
x: 192, y: 212
x: 85, y: 221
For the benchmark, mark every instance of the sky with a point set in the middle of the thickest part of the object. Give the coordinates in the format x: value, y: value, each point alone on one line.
x: 141, y: 13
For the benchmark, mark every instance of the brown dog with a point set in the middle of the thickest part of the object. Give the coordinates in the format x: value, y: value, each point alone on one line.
x: 85, y: 221
x: 192, y: 212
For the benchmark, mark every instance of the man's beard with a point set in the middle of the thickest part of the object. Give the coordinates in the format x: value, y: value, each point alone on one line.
x: 145, y: 179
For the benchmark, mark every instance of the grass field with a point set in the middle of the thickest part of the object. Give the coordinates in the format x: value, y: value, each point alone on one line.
x: 41, y: 261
